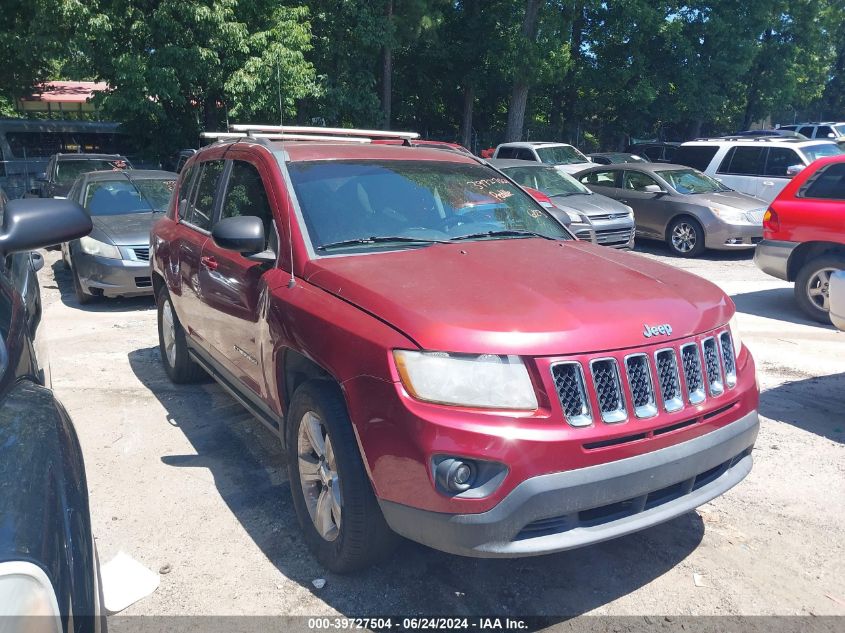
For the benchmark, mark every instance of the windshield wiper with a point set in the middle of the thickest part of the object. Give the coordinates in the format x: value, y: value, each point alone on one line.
x: 501, y: 233
x: 378, y: 239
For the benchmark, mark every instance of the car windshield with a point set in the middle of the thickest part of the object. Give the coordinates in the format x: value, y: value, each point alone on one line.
x: 122, y: 197
x: 68, y: 170
x: 814, y: 152
x: 839, y: 129
x: 689, y: 181
x: 546, y: 179
x: 374, y: 205
x: 561, y: 155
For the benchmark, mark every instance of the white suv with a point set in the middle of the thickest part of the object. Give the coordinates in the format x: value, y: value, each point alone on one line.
x: 829, y: 130
x: 564, y: 157
x: 760, y: 167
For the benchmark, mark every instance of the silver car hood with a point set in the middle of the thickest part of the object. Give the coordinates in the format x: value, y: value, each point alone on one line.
x: 733, y: 199
x: 590, y: 204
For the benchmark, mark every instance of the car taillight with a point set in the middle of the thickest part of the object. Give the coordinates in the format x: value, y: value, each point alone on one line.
x: 540, y: 197
x: 770, y: 221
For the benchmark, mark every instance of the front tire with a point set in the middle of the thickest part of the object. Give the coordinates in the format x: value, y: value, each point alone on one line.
x: 812, y: 286
x: 685, y: 237
x: 82, y: 297
x: 177, y: 361
x: 340, y: 518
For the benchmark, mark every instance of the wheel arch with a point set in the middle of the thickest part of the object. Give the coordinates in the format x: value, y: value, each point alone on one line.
x: 808, y: 251
x: 680, y: 215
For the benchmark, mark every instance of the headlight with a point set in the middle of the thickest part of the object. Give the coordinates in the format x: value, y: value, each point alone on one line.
x: 731, y: 216
x: 100, y: 249
x: 734, y: 328
x: 630, y: 210
x: 488, y: 381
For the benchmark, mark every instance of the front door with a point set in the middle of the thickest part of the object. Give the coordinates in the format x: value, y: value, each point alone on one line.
x: 649, y: 210
x: 234, y: 288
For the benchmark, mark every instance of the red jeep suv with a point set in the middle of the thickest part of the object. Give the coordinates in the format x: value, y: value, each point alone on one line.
x: 804, y: 234
x: 442, y: 359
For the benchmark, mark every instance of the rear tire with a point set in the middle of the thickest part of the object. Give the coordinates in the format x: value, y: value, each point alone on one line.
x: 812, y: 286
x: 685, y: 237
x: 340, y: 518
x: 177, y: 361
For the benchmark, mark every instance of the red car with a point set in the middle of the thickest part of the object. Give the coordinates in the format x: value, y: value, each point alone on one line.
x: 441, y: 359
x: 455, y: 147
x: 804, y: 234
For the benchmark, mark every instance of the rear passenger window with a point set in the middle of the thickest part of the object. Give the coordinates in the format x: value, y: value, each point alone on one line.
x: 199, y: 213
x: 245, y: 195
x: 807, y: 131
x: 779, y: 159
x: 828, y: 184
x: 744, y: 161
x: 697, y: 156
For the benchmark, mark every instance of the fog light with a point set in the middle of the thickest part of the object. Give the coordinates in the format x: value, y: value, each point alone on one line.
x: 460, y: 476
x: 466, y: 478
x: 454, y: 475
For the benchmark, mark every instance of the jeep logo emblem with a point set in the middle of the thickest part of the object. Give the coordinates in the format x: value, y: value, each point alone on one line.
x: 656, y: 330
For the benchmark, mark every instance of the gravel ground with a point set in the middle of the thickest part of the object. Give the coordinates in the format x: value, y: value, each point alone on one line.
x: 187, y: 482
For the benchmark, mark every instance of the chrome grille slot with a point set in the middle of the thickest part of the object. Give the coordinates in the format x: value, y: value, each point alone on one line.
x: 571, y: 389
x: 668, y: 379
x: 728, y: 358
x: 714, y: 368
x: 642, y: 387
x: 692, y: 372
x: 608, y: 388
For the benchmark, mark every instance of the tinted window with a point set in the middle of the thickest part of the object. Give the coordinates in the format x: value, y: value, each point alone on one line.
x: 744, y: 161
x: 779, y: 159
x: 654, y: 154
x: 828, y: 183
x: 697, y: 156
x: 245, y: 195
x: 823, y: 130
x: 637, y: 181
x: 421, y: 202
x: 506, y: 152
x: 807, y: 131
x: 791, y: 128
x: 600, y: 178
x: 525, y: 154
x: 200, y: 212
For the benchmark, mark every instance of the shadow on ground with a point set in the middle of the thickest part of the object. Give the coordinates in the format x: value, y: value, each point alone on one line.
x: 661, y: 249
x: 813, y: 404
x: 247, y: 464
x: 774, y: 303
x: 64, y: 283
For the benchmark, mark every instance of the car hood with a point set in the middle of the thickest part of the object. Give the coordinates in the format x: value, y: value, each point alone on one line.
x: 125, y: 230
x: 522, y: 296
x: 590, y: 204
x: 733, y: 199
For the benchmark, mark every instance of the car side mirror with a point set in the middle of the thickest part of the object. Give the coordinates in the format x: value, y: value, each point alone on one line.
x: 653, y: 189
x: 831, y: 135
x: 31, y: 223
x: 243, y: 234
x: 794, y: 170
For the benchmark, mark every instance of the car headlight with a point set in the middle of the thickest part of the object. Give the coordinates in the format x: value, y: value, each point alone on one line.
x: 734, y: 328
x: 630, y: 210
x: 100, y: 249
x: 486, y: 381
x: 730, y: 215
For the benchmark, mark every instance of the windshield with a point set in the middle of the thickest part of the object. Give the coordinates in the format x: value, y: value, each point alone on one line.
x: 546, y: 179
x: 839, y: 129
x: 413, y: 202
x: 122, y: 197
x: 561, y: 155
x: 689, y: 181
x: 814, y: 152
x: 68, y: 170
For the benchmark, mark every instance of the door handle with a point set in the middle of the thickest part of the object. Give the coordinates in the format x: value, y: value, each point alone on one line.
x: 209, y: 262
x: 768, y: 183
x: 623, y: 201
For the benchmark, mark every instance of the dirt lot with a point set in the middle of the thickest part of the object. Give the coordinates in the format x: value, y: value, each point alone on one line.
x: 184, y: 477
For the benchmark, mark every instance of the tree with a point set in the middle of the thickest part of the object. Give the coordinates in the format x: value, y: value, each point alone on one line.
x: 525, y: 60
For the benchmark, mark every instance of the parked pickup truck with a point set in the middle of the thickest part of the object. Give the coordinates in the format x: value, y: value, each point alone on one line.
x: 804, y: 235
x: 441, y: 359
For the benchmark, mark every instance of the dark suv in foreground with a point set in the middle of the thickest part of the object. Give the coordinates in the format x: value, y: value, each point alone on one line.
x: 433, y: 351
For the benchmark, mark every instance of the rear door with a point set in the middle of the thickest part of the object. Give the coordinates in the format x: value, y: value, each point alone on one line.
x: 819, y: 207
x: 234, y: 288
x: 778, y: 159
x: 607, y: 182
x: 742, y: 168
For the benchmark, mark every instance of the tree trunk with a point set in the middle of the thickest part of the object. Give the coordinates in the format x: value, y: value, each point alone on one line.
x: 519, y: 95
x: 570, y: 91
x: 466, y: 120
x: 387, y: 67
x: 210, y: 113
x: 694, y: 128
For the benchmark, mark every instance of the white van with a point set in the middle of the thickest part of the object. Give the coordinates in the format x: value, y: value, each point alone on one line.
x: 760, y: 167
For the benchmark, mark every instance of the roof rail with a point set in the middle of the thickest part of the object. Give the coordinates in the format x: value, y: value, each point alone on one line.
x: 758, y: 139
x: 334, y: 132
x: 281, y: 137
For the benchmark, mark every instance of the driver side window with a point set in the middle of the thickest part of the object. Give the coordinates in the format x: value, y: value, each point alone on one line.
x: 246, y: 195
x: 637, y: 181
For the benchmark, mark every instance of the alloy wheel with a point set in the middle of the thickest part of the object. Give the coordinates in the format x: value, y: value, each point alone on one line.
x: 683, y: 237
x: 168, y: 332
x: 318, y: 476
x: 818, y: 288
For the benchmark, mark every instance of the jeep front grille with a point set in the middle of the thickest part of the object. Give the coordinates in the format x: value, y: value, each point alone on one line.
x: 728, y: 358
x: 608, y: 387
x: 692, y: 373
x: 714, y: 369
x: 642, y: 387
x: 572, y: 391
x: 670, y: 382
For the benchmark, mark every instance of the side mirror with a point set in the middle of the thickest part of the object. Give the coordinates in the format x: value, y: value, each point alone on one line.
x: 36, y: 260
x: 831, y: 135
x: 652, y: 189
x: 793, y: 170
x: 243, y: 234
x: 31, y: 223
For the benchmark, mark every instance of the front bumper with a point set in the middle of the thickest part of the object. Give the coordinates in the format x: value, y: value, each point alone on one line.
x: 772, y: 257
x: 107, y: 277
x: 560, y: 511
x: 721, y: 235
